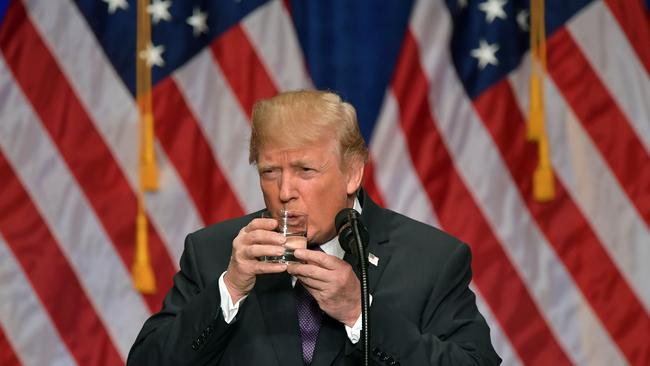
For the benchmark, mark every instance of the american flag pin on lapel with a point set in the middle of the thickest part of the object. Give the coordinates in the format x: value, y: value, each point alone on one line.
x: 373, y: 259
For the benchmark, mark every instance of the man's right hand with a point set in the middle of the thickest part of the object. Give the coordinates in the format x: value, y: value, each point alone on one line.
x: 253, y: 241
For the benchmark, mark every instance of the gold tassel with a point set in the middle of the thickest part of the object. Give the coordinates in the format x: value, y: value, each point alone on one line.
x: 543, y: 180
x: 148, y: 166
x: 142, y: 272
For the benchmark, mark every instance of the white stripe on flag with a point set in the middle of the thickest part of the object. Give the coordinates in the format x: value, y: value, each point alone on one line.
x: 24, y: 319
x: 603, y: 43
x: 224, y: 124
x: 270, y: 31
x: 479, y: 164
x: 70, y: 217
x: 114, y: 113
x: 394, y: 173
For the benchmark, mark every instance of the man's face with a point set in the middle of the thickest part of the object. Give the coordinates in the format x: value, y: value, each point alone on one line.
x: 308, y: 179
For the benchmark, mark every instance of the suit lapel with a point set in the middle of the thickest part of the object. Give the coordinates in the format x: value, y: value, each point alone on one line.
x: 278, y: 307
x: 373, y: 217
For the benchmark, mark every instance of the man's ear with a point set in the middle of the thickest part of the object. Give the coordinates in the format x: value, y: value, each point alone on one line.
x: 354, y: 175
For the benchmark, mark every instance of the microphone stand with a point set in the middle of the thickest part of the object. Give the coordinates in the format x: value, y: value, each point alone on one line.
x: 365, y: 295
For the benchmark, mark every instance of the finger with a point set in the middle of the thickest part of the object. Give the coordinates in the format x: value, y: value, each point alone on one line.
x: 309, y: 271
x: 261, y: 224
x: 318, y: 258
x: 262, y: 236
x: 267, y: 267
x: 259, y: 250
x: 312, y: 285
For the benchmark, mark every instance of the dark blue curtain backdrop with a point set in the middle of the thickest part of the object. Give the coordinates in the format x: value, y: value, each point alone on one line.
x: 357, y: 62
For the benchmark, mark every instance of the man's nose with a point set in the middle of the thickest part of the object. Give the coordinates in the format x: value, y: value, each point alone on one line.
x: 287, y: 187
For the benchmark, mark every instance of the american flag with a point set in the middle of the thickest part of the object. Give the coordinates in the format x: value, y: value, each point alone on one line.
x: 441, y: 89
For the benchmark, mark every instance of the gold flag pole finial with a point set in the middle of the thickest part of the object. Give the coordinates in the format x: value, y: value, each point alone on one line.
x: 543, y: 180
x: 142, y: 271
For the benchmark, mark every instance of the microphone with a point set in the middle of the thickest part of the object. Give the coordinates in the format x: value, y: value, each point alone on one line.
x: 345, y: 222
x: 353, y: 237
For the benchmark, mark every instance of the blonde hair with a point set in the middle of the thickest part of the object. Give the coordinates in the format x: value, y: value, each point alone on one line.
x: 298, y: 118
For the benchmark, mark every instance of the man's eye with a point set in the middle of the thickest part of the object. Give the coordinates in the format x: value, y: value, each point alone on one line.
x: 307, y: 172
x: 268, y: 173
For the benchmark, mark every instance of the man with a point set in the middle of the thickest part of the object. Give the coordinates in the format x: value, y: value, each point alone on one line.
x: 228, y: 308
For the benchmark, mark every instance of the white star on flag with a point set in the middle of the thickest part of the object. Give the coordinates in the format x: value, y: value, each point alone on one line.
x: 486, y: 54
x: 113, y: 5
x: 462, y: 4
x: 152, y: 55
x: 493, y: 9
x: 159, y: 10
x: 522, y: 20
x: 198, y: 21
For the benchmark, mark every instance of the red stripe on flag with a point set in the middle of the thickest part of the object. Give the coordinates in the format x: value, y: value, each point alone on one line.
x: 634, y: 19
x: 7, y: 354
x: 49, y: 272
x: 370, y: 184
x: 457, y: 212
x: 187, y: 148
x: 83, y: 149
x: 243, y: 68
x: 574, y: 240
x: 602, y: 119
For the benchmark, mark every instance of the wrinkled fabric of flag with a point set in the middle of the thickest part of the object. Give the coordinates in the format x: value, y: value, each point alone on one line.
x: 442, y: 94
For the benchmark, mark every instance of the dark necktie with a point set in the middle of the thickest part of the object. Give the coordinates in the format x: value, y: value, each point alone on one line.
x: 309, y: 320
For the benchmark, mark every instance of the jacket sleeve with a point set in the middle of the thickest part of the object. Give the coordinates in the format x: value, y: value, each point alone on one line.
x: 189, y: 330
x: 451, y: 330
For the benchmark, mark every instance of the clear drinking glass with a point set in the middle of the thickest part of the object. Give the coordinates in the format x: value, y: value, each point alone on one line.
x: 293, y: 225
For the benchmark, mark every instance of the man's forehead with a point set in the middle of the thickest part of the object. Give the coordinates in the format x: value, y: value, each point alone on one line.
x: 293, y: 147
x: 295, y: 156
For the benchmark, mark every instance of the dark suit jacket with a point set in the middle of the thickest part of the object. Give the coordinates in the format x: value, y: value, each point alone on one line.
x: 423, y: 312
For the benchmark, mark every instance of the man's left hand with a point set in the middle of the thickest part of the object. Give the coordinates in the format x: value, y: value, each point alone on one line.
x: 331, y: 281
